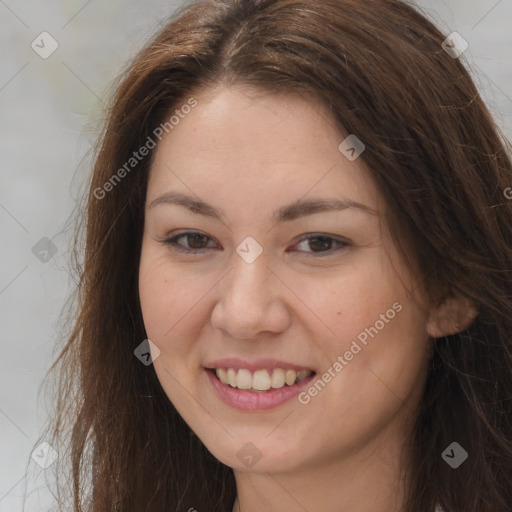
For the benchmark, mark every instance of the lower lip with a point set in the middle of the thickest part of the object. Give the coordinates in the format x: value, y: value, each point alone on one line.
x: 251, y: 401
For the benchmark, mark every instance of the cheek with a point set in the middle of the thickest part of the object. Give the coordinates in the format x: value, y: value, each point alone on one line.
x: 372, y: 321
x: 384, y: 346
x: 171, y: 304
x: 354, y: 298
x: 373, y: 363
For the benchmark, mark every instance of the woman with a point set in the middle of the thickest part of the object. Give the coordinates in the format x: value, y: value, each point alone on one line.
x: 296, y: 292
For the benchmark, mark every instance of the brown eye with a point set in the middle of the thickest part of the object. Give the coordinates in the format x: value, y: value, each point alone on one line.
x: 320, y: 244
x: 196, y: 242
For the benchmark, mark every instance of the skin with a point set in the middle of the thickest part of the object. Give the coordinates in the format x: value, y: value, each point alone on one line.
x: 250, y: 153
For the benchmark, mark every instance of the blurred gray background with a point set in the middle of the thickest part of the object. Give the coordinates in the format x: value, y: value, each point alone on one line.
x: 50, y: 107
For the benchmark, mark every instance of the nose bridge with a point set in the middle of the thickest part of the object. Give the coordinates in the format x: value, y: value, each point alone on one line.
x: 248, y: 284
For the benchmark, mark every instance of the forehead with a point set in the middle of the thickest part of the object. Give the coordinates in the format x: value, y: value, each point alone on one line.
x: 261, y: 147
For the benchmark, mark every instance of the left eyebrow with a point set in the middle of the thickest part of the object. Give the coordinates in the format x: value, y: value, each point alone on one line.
x: 302, y: 208
x: 293, y: 211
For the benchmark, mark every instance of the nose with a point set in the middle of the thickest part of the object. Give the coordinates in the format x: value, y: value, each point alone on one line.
x: 250, y: 301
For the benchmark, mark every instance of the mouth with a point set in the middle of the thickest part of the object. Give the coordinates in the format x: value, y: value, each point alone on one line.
x: 257, y: 385
x: 257, y: 389
x: 262, y: 380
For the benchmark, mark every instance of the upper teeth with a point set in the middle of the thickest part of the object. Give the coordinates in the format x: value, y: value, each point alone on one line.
x: 260, y: 380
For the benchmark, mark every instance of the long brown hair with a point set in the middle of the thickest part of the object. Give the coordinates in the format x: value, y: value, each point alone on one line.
x: 440, y: 162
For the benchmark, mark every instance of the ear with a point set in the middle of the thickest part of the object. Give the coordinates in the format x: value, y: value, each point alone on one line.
x: 452, y: 316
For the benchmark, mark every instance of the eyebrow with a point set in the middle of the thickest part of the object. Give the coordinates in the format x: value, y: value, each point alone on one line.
x: 299, y: 208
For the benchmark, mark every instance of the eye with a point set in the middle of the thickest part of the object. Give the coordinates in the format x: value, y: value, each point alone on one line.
x: 322, y: 244
x: 198, y: 242
x: 194, y: 238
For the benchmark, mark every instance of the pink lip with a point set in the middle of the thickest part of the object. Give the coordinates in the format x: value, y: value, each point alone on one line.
x: 251, y: 401
x: 258, y: 364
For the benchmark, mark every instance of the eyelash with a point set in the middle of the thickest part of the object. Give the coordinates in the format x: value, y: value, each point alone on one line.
x: 172, y: 243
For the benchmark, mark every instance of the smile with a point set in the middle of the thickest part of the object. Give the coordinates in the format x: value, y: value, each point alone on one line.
x: 238, y: 388
x: 261, y: 380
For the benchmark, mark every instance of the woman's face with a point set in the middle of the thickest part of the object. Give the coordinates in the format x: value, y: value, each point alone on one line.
x: 278, y: 281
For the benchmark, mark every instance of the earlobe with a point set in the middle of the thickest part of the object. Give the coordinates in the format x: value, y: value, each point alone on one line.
x: 453, y: 315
